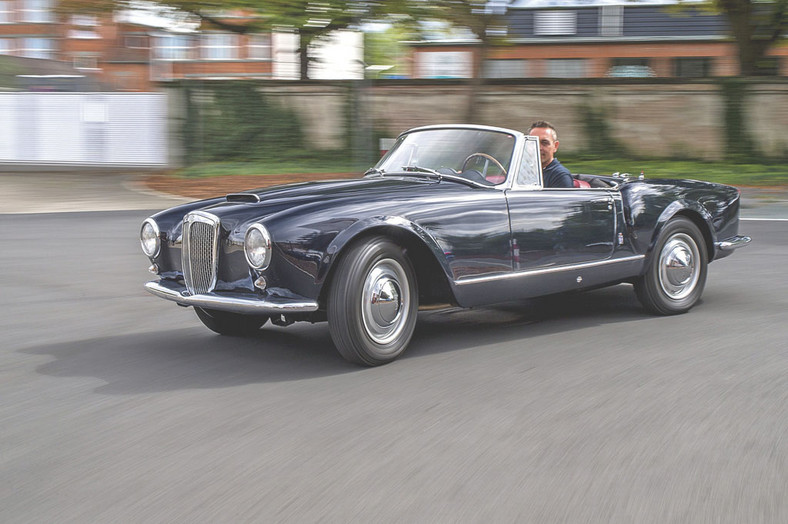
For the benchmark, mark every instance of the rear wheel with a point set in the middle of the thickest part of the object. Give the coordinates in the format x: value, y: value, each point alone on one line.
x: 373, y: 303
x: 676, y: 273
x: 231, y: 324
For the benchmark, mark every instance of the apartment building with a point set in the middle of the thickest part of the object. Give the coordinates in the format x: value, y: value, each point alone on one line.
x: 133, y: 50
x: 595, y: 41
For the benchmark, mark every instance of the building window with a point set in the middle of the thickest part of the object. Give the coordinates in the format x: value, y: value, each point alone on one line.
x: 692, y: 67
x: 555, y: 23
x: 84, y: 21
x: 5, y: 12
x: 611, y: 20
x: 37, y: 11
x: 444, y: 64
x: 630, y: 68
x: 219, y: 46
x: 498, y: 68
x: 83, y: 27
x: 6, y: 46
x: 37, y: 48
x: 83, y: 34
x: 259, y: 47
x: 136, y: 41
x: 173, y: 47
x: 567, y: 68
x: 86, y: 62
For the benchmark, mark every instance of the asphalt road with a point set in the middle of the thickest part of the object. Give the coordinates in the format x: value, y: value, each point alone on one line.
x: 119, y: 407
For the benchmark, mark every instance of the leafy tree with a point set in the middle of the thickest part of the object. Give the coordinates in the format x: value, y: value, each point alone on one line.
x: 312, y: 20
x: 755, y: 25
x: 485, y: 19
x: 384, y: 47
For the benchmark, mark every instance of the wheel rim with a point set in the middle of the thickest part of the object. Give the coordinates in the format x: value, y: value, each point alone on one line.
x: 678, y: 266
x: 384, y: 301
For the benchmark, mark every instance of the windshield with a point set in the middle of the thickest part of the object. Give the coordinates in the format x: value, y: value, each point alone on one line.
x: 482, y: 156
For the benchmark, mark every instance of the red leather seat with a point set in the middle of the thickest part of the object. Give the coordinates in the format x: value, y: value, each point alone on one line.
x: 580, y: 183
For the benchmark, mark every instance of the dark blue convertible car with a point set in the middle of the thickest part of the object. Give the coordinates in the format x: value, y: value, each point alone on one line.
x: 451, y: 214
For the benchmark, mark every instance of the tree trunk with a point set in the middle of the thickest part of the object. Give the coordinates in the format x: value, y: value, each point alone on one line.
x: 754, y: 31
x: 303, y: 57
x: 475, y: 84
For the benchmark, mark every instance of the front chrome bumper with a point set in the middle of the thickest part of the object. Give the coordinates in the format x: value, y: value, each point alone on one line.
x: 729, y: 244
x: 233, y: 302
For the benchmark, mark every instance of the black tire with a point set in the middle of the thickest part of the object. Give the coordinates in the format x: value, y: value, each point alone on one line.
x: 676, y: 272
x: 367, y: 330
x: 230, y: 324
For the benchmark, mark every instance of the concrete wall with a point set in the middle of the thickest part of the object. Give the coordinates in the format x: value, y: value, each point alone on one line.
x: 660, y: 118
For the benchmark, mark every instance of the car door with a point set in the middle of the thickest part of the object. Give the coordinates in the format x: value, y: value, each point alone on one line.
x: 552, y: 227
x: 560, y: 227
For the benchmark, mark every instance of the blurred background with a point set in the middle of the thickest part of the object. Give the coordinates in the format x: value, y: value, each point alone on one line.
x: 299, y: 86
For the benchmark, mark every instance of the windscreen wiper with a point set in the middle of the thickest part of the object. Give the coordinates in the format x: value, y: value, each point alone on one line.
x: 419, y: 169
x: 441, y: 176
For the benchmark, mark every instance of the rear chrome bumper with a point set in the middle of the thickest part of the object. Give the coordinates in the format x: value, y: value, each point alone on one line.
x: 233, y: 302
x: 729, y: 244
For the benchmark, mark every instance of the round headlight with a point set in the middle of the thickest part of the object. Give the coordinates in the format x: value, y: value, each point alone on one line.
x: 257, y: 246
x: 149, y: 238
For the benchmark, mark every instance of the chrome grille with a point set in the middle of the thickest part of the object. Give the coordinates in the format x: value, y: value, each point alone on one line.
x: 200, y: 251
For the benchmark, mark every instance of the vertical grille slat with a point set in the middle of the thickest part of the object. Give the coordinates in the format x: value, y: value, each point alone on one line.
x: 200, y: 251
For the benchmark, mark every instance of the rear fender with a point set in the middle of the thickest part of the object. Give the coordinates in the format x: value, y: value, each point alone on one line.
x: 693, y: 211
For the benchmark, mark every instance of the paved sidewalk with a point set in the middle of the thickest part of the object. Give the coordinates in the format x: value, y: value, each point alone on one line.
x: 764, y: 203
x: 69, y: 191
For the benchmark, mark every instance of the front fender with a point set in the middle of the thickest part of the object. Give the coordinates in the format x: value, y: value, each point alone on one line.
x: 367, y: 225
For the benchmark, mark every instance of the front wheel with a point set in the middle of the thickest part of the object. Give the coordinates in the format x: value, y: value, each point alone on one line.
x: 231, y: 324
x: 676, y: 273
x: 373, y: 303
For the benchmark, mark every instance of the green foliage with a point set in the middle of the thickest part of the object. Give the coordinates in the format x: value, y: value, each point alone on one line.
x: 739, y: 145
x: 234, y: 121
x: 599, y: 135
x: 335, y: 162
x: 751, y: 174
x: 8, y: 72
x: 384, y: 48
x: 307, y: 162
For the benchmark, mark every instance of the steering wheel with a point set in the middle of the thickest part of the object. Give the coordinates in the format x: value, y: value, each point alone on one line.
x: 486, y: 156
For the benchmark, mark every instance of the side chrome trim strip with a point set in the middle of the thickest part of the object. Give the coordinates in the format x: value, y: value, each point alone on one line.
x: 729, y: 244
x: 548, y: 270
x: 235, y: 303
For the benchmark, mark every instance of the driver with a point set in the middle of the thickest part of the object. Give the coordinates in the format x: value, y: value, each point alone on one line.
x: 553, y: 173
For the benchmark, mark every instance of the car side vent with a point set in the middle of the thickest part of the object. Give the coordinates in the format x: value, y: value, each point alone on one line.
x: 243, y: 197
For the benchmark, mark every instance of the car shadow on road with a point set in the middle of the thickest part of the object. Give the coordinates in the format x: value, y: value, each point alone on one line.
x: 194, y: 357
x: 458, y: 328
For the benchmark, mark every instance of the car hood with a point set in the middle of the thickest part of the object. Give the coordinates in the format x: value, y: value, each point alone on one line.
x: 366, y: 195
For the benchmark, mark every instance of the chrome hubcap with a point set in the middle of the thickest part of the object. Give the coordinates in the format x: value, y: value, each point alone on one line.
x: 384, y: 301
x: 678, y: 266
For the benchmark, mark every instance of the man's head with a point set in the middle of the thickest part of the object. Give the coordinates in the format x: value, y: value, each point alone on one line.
x: 548, y: 140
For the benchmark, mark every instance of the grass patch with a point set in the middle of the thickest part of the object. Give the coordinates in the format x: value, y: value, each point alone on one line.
x: 725, y: 173
x: 305, y: 164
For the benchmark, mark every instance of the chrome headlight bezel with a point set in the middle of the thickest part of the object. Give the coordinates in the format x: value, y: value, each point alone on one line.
x: 257, y: 246
x: 150, y: 233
